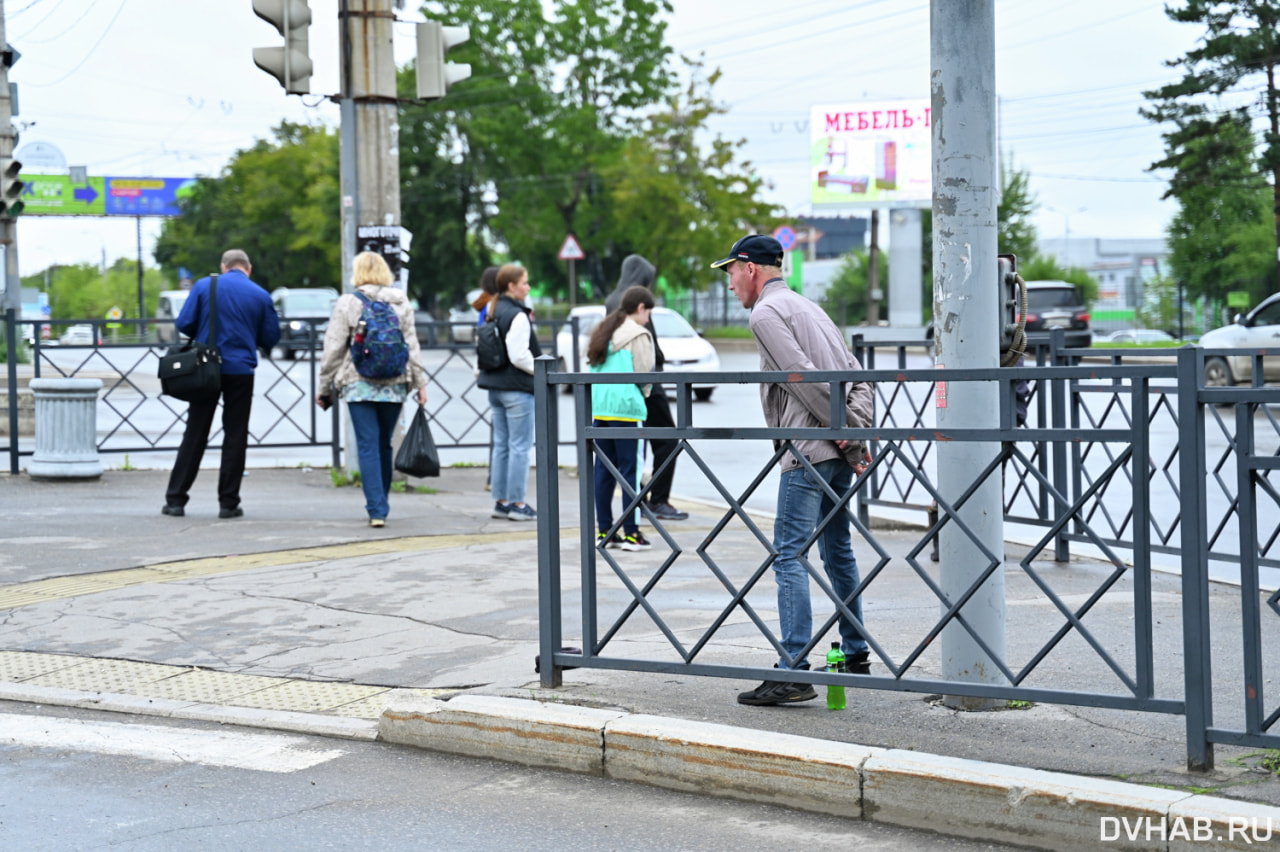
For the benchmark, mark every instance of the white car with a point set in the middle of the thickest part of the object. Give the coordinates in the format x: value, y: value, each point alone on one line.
x: 683, y: 349
x: 167, y: 308
x: 1136, y: 335
x: 78, y: 335
x: 1259, y: 329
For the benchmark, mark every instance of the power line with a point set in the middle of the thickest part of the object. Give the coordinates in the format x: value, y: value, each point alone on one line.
x: 88, y: 53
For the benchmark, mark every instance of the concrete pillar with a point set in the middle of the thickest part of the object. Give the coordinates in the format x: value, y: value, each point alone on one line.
x: 66, y: 429
x: 906, y: 247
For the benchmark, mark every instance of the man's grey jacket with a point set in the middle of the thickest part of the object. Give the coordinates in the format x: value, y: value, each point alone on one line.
x: 794, y: 335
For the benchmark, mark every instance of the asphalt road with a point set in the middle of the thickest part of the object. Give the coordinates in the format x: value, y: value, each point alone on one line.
x: 78, y: 780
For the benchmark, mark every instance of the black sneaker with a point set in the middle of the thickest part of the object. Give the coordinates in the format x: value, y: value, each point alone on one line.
x: 859, y: 663
x: 667, y: 512
x: 635, y: 541
x: 173, y: 511
x: 237, y: 512
x: 614, y: 541
x: 773, y: 692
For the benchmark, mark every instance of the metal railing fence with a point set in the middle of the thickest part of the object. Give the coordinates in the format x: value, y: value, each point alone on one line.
x: 1078, y: 460
x: 134, y: 417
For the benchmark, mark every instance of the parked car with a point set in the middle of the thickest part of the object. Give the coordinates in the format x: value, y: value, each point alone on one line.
x: 1056, y: 304
x: 79, y: 335
x: 299, y: 309
x: 1258, y: 329
x: 463, y: 320
x: 167, y: 309
x: 1136, y: 335
x: 683, y: 349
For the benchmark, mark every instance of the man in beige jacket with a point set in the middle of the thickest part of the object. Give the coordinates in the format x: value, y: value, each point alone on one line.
x: 794, y: 335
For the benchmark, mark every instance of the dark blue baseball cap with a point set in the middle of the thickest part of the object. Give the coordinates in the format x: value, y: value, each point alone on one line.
x: 754, y: 248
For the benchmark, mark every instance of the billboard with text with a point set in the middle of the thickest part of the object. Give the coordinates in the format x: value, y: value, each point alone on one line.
x: 59, y: 195
x: 872, y: 154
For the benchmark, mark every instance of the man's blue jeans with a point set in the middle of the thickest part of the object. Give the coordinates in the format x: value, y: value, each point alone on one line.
x: 374, y: 423
x: 512, y: 413
x: 801, y: 505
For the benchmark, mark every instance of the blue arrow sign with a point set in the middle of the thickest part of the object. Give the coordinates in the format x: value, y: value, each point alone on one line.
x: 85, y: 194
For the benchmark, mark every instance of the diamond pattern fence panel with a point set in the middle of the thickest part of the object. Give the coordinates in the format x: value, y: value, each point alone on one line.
x: 1105, y: 463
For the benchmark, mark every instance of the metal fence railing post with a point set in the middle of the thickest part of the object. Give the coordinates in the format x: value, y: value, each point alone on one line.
x: 547, y: 445
x: 11, y: 342
x: 1144, y: 652
x: 1197, y: 667
x: 1061, y: 474
x: 1250, y: 605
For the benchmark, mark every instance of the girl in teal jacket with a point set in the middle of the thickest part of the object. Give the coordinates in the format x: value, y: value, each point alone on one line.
x: 620, y: 344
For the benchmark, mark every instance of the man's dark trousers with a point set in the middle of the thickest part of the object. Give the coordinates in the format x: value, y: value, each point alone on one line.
x: 659, y: 415
x: 237, y: 400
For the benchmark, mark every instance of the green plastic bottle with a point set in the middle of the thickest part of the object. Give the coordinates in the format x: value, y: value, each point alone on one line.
x: 835, y: 663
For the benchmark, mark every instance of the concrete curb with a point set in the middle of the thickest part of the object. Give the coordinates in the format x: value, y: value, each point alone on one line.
x: 953, y: 796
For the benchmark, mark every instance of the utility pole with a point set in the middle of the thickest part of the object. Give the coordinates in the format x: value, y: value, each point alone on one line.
x: 966, y: 302
x: 370, y: 158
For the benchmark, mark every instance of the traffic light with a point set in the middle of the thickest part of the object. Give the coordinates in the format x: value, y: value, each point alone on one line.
x: 434, y: 74
x: 289, y: 64
x: 10, y: 189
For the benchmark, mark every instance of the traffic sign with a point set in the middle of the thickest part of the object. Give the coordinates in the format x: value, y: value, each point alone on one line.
x: 786, y: 235
x: 571, y: 250
x: 114, y: 314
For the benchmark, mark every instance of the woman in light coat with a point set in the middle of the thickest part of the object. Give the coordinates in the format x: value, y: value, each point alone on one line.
x: 374, y: 405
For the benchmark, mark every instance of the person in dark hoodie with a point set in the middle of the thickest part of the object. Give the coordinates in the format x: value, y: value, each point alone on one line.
x: 636, y: 271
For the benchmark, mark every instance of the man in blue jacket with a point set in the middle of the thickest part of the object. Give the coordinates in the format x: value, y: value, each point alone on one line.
x: 246, y: 322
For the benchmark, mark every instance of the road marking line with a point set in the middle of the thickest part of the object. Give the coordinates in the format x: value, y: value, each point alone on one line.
x: 231, y: 749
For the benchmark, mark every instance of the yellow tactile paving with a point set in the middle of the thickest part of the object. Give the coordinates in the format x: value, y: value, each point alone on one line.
x: 19, y: 666
x: 60, y: 588
x: 306, y: 696
x: 202, y: 686
x: 94, y: 675
x: 199, y: 686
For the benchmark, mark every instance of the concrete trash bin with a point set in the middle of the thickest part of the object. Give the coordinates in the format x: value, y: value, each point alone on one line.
x: 66, y: 429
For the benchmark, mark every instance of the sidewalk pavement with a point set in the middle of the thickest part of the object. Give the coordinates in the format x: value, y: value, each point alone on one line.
x: 300, y: 616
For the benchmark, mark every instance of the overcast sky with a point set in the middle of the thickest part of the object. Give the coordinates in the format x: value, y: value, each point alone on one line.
x: 168, y: 88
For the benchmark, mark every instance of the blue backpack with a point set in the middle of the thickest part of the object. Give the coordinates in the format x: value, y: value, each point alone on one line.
x: 378, y: 349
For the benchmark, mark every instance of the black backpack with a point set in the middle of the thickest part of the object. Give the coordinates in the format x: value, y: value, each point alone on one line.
x: 491, y: 347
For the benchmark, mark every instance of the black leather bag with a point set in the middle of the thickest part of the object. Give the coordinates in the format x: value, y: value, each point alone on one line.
x: 192, y: 371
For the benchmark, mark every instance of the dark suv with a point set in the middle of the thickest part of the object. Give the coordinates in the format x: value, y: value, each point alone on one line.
x: 1056, y: 304
x: 299, y: 310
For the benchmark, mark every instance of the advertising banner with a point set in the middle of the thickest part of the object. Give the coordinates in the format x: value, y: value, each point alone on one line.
x: 873, y: 154
x: 59, y: 195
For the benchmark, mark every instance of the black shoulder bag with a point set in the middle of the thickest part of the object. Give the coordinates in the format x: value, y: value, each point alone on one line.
x: 192, y: 371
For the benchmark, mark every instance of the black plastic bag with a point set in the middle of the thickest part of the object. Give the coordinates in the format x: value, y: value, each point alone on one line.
x: 417, y: 455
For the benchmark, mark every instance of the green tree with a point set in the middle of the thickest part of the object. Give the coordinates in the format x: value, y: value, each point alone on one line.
x: 557, y: 89
x: 679, y: 203
x: 845, y: 299
x: 1159, y: 308
x: 1221, y: 238
x: 278, y: 200
x: 1239, y: 52
x: 86, y: 292
x: 1015, y: 234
